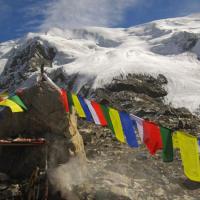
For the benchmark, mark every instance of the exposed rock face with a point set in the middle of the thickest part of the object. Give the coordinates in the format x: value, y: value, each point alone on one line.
x: 25, y: 61
x: 181, y: 42
x: 141, y: 84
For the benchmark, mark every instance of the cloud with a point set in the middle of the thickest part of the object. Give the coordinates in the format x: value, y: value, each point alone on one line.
x: 5, y: 11
x: 34, y: 9
x: 32, y: 14
x: 78, y: 13
x: 189, y: 7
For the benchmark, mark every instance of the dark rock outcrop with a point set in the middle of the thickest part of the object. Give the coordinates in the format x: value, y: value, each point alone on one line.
x: 178, y: 43
x: 45, y: 114
x: 143, y: 95
x: 142, y: 84
x: 25, y: 60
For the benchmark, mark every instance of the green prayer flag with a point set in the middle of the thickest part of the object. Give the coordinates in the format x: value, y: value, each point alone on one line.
x: 167, y: 153
x: 70, y: 100
x: 105, y: 110
x: 18, y: 101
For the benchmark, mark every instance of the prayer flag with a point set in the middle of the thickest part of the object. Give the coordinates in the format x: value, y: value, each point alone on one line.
x: 190, y: 155
x: 12, y: 105
x: 93, y: 112
x: 140, y: 128
x: 167, y: 153
x: 86, y: 109
x: 64, y: 100
x: 18, y: 101
x: 175, y: 140
x: 105, y: 110
x: 78, y: 106
x: 128, y: 129
x: 152, y: 137
x: 117, y: 126
x: 199, y: 143
x: 99, y: 113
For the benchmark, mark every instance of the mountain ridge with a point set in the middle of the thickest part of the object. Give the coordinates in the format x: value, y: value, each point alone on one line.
x: 96, y: 55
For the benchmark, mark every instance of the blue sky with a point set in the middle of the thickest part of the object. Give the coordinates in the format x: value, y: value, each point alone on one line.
x: 18, y: 17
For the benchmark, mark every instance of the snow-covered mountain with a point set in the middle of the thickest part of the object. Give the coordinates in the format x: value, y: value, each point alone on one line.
x: 93, y: 56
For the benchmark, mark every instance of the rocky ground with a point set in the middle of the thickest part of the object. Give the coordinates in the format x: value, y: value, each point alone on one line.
x: 119, y: 172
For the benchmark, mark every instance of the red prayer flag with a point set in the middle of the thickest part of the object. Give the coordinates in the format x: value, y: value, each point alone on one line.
x: 99, y: 113
x: 65, y: 100
x: 152, y: 137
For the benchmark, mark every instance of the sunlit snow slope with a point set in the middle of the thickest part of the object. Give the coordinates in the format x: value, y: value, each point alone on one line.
x: 170, y: 47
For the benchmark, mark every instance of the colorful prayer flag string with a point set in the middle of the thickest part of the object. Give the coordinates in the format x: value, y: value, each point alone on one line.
x: 155, y: 137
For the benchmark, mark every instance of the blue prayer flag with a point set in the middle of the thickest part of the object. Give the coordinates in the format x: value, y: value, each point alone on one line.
x: 86, y: 109
x: 128, y: 128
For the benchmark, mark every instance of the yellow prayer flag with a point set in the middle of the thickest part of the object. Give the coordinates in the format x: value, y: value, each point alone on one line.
x: 78, y: 106
x: 188, y: 145
x: 12, y: 105
x: 117, y: 126
x: 175, y: 141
